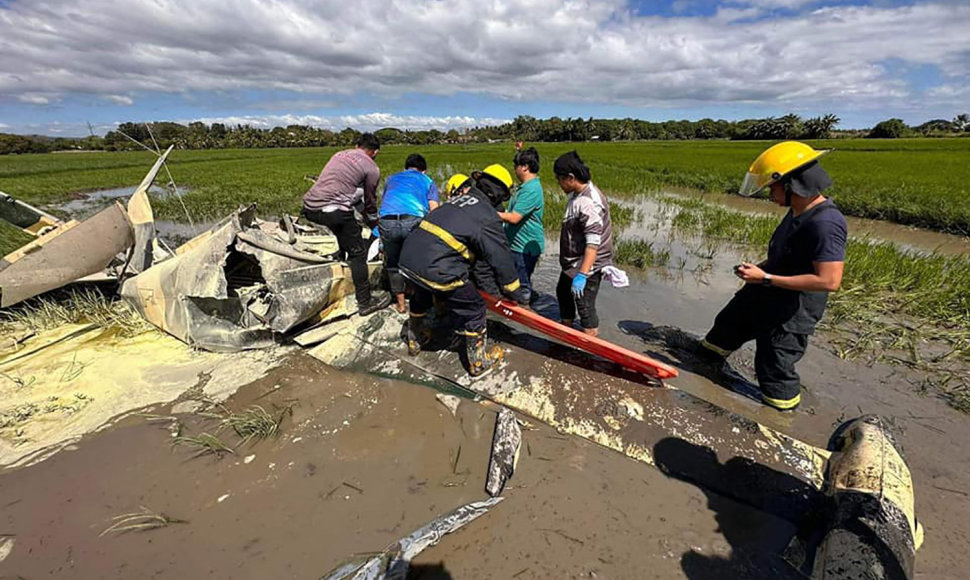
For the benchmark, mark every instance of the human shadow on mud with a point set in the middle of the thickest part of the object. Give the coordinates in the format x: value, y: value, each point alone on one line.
x: 678, y: 348
x: 759, y: 511
x: 429, y: 572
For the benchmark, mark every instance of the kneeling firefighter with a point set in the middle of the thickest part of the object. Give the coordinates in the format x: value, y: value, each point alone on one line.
x: 439, y: 255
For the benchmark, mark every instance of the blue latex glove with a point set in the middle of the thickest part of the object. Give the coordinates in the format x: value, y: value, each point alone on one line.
x: 579, y: 284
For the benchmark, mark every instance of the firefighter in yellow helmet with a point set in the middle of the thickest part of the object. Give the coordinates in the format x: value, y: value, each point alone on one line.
x: 439, y: 257
x: 457, y: 184
x: 784, y: 296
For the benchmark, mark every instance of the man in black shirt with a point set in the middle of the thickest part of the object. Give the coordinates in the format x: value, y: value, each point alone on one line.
x: 784, y: 296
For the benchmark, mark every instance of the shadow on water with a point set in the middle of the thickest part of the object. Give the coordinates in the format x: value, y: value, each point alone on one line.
x: 758, y: 510
x: 679, y: 348
x: 429, y: 572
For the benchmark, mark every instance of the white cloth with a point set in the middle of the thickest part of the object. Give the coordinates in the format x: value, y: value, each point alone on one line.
x: 616, y: 276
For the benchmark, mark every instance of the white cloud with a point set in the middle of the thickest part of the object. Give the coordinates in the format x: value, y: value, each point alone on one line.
x: 365, y: 122
x: 578, y: 50
x: 33, y: 99
x: 4, y: 126
x: 119, y: 100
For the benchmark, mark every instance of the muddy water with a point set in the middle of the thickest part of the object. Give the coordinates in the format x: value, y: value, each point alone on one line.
x: 660, y: 307
x: 88, y: 204
x: 177, y: 233
x: 360, y: 464
x: 916, y: 239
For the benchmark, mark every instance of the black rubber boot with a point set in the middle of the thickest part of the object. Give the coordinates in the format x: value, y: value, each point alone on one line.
x: 378, y: 301
x: 481, y: 359
x: 418, y: 334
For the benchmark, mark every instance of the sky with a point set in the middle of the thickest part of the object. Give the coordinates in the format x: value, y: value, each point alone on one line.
x: 66, y: 65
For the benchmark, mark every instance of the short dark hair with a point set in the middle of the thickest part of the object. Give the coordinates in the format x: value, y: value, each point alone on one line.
x: 416, y: 160
x: 571, y: 164
x: 528, y: 157
x: 369, y: 141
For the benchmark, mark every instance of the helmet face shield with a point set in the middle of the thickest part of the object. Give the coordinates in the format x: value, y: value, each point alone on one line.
x: 753, y: 183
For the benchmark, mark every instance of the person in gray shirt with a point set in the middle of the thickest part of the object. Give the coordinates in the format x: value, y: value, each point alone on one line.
x: 585, y: 243
x: 330, y: 203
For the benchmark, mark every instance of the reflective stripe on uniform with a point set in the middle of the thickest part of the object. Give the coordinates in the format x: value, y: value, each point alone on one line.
x: 713, y: 347
x: 434, y: 285
x: 448, y: 239
x: 783, y: 404
x: 512, y: 286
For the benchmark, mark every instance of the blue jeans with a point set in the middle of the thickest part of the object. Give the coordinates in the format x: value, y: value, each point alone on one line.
x: 525, y: 265
x: 393, y: 233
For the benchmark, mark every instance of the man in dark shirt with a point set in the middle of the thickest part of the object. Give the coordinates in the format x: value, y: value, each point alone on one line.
x: 784, y: 296
x: 330, y: 203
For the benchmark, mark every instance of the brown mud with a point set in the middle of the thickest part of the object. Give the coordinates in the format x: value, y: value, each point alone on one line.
x: 360, y: 464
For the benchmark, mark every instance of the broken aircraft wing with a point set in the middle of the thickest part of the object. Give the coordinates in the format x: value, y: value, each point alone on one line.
x: 70, y: 252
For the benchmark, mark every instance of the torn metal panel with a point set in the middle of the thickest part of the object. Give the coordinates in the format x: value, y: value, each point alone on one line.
x: 145, y: 251
x: 236, y: 285
x: 188, y: 296
x: 395, y: 560
x: 506, y: 443
x: 64, y: 255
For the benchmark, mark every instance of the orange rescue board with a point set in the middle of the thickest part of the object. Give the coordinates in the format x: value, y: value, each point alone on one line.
x: 593, y: 345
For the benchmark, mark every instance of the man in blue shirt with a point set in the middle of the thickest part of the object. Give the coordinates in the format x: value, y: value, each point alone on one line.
x: 408, y: 197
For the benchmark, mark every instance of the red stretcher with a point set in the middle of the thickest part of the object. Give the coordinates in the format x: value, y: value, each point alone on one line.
x: 593, y: 345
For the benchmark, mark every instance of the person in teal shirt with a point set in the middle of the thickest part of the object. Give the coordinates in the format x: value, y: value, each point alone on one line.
x: 523, y: 218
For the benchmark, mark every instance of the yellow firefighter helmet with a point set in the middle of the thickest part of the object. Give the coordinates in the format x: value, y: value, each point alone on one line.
x: 776, y: 162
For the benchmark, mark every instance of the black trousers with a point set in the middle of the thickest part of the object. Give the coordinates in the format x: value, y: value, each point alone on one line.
x: 568, y: 304
x: 753, y: 315
x: 465, y: 304
x: 353, y: 248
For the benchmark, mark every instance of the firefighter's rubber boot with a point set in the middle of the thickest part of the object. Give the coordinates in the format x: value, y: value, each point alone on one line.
x: 418, y: 334
x: 481, y: 359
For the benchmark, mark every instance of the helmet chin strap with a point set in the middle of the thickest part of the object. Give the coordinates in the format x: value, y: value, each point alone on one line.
x: 788, y: 194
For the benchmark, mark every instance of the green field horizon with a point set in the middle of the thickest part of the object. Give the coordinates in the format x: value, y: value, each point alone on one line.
x: 917, y: 182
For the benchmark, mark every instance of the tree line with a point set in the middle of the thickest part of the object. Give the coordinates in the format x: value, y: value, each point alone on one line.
x: 199, y: 135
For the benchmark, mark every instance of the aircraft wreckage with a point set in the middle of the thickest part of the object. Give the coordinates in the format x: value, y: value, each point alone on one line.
x: 248, y: 283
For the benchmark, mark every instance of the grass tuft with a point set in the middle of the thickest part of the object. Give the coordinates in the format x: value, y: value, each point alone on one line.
x: 76, y: 306
x: 204, y: 444
x: 140, y: 521
x: 640, y: 253
x: 254, y: 423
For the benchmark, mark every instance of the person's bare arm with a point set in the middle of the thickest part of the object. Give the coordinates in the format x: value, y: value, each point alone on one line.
x: 827, y: 277
x: 510, y: 217
x: 589, y: 258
